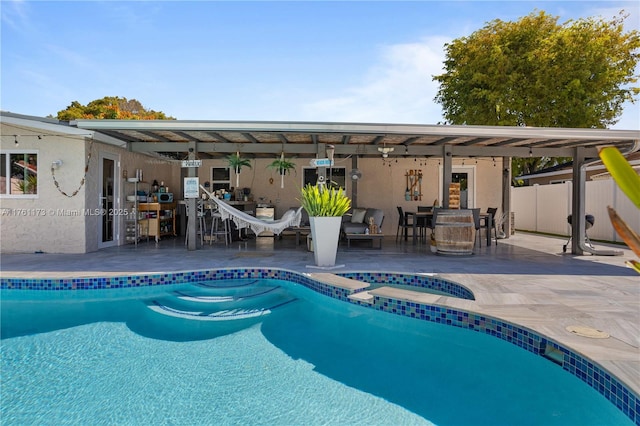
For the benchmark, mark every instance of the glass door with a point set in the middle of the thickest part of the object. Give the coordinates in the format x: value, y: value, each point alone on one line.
x: 108, y: 200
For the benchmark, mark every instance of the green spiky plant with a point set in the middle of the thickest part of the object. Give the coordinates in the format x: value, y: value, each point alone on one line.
x: 320, y: 201
x: 237, y: 163
x: 629, y: 182
x: 282, y: 165
x: 29, y: 185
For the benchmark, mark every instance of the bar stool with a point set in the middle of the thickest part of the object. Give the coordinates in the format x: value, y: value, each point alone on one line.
x: 219, y: 227
x: 201, y: 224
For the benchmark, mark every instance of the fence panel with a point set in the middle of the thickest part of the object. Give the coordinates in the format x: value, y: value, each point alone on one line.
x: 523, y: 204
x: 544, y: 208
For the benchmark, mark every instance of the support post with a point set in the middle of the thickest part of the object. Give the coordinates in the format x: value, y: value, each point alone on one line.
x: 191, y: 202
x: 447, y: 166
x: 577, y: 202
x: 506, y: 195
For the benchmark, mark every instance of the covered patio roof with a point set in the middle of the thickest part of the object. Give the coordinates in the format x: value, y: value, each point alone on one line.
x: 182, y: 139
x: 306, y: 139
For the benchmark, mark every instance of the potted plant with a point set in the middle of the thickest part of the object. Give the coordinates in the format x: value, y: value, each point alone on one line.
x: 236, y: 163
x: 325, y: 208
x: 282, y: 165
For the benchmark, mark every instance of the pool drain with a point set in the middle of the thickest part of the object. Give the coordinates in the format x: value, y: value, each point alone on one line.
x: 587, y: 332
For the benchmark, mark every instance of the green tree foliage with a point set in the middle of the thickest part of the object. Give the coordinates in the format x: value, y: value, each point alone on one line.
x: 536, y: 72
x: 110, y: 107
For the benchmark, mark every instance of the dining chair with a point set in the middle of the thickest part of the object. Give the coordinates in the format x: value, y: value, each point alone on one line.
x: 423, y: 222
x: 403, y: 226
x: 491, y: 211
x: 476, y: 223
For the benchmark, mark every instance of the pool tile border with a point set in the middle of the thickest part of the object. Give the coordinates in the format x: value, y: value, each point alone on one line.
x: 588, y: 371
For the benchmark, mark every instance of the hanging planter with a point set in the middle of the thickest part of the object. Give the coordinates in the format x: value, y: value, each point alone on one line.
x: 236, y: 163
x: 282, y: 165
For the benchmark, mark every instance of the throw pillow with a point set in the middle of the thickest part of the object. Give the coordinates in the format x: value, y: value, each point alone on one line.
x: 358, y: 215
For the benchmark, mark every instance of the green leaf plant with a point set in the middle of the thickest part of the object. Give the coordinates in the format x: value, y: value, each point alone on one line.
x: 321, y: 201
x: 237, y: 163
x: 629, y: 182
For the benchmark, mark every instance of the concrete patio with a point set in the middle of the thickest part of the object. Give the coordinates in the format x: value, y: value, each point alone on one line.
x: 525, y: 279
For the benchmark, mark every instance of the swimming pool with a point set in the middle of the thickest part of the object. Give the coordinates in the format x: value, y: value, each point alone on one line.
x: 280, y: 354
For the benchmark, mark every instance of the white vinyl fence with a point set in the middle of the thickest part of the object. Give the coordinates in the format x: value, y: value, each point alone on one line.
x: 544, y: 208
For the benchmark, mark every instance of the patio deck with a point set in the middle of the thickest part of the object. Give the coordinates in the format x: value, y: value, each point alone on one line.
x: 525, y: 279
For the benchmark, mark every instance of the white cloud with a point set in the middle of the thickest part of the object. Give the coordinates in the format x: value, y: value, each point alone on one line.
x: 399, y: 88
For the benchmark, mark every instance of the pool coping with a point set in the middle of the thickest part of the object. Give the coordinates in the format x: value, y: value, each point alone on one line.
x: 603, y: 374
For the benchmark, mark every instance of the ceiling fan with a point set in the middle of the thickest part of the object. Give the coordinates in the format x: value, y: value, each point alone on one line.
x: 385, y: 151
x: 355, y: 174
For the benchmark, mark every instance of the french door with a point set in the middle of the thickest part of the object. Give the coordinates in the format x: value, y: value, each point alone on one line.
x: 108, y: 199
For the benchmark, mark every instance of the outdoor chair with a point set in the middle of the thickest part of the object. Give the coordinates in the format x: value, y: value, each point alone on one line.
x: 491, y: 211
x: 477, y: 224
x: 402, y: 225
x: 423, y: 222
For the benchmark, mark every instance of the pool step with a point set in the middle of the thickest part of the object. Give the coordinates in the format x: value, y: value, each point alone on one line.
x: 226, y: 302
x: 223, y: 315
x: 190, y: 296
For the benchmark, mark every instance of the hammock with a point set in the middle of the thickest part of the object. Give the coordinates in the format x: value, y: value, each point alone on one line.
x: 244, y: 220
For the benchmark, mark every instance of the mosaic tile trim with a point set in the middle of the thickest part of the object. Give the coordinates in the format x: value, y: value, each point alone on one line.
x: 423, y: 281
x: 588, y: 371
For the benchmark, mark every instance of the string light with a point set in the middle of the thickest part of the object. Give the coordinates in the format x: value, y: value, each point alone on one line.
x: 530, y: 152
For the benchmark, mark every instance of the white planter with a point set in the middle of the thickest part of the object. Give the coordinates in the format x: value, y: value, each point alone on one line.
x: 325, y: 232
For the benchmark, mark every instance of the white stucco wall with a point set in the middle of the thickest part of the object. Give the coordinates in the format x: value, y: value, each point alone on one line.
x: 48, y: 222
x: 381, y: 186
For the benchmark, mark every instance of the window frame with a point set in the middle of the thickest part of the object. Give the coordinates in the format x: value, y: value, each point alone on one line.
x: 220, y: 182
x: 334, y: 168
x: 8, y: 153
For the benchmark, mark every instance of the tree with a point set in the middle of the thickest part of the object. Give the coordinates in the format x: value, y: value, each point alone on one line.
x: 535, y: 72
x: 110, y: 107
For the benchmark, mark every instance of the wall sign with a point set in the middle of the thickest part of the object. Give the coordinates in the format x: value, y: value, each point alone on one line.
x: 191, y: 187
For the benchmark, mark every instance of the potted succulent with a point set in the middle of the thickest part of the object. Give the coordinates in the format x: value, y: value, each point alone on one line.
x: 325, y: 208
x: 282, y: 165
x: 236, y: 163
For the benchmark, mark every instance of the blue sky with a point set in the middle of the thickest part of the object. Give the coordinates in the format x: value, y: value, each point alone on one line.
x: 293, y: 61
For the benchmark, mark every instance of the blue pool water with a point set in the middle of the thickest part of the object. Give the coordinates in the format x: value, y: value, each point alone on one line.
x: 266, y: 352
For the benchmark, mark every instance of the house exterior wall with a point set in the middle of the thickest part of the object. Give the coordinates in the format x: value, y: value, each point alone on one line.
x: 50, y: 221
x: 381, y: 186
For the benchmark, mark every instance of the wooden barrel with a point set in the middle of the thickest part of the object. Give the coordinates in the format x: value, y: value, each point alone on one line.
x: 455, y: 232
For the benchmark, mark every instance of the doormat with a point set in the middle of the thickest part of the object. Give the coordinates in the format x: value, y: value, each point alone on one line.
x: 252, y: 254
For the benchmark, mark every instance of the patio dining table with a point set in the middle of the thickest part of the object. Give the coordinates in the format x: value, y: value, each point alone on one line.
x: 486, y: 221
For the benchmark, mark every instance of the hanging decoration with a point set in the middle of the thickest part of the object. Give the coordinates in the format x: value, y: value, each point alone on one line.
x: 236, y: 163
x: 282, y: 165
x: 413, y: 189
x: 82, y: 181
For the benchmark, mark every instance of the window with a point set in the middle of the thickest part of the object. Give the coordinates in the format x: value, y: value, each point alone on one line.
x: 336, y: 177
x: 19, y: 173
x: 220, y: 179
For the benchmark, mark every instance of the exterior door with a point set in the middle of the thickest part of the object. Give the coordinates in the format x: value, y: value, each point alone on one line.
x: 108, y: 200
x: 466, y: 177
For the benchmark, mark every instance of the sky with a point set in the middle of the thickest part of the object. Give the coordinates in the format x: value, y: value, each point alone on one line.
x: 343, y: 61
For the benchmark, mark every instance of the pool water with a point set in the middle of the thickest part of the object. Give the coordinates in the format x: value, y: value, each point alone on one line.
x: 266, y: 352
